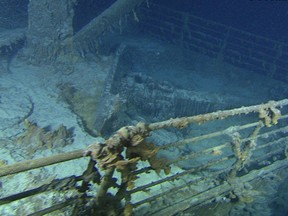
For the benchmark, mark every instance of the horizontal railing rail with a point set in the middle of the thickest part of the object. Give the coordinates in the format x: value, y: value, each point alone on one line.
x: 144, y: 171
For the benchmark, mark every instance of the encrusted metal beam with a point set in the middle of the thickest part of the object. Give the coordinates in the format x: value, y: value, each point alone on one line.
x: 103, y: 22
x: 40, y: 162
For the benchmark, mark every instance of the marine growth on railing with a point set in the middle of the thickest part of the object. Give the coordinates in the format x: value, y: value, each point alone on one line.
x: 172, y: 166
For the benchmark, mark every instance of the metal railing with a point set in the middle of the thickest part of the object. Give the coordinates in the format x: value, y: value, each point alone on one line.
x: 139, y: 170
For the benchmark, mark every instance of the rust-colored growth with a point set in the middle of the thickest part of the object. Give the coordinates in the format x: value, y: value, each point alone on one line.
x: 270, y: 114
x: 159, y: 164
x: 276, y: 114
x: 148, y: 151
x: 108, y: 154
x: 109, y: 157
x: 143, y: 150
x: 180, y: 123
x: 243, y: 151
x: 128, y: 209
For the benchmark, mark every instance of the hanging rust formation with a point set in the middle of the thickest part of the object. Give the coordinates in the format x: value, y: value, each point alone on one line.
x: 120, y: 162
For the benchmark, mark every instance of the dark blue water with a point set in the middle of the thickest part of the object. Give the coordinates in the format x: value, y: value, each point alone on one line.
x: 268, y: 18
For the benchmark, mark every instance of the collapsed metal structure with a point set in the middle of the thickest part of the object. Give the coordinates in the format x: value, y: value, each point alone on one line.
x: 222, y: 160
